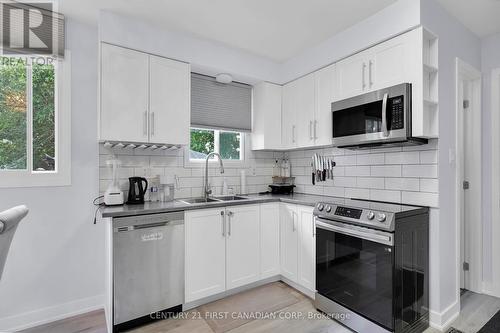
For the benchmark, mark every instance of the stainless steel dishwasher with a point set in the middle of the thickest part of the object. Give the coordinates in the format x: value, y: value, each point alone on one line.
x: 148, y: 267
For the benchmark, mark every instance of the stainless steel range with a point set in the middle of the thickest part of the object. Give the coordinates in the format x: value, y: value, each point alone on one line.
x: 372, y: 265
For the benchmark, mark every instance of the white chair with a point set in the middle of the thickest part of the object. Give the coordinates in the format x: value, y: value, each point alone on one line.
x: 9, y: 220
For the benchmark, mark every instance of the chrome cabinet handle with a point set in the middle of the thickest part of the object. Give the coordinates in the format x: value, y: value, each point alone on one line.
x: 223, y: 223
x: 315, y: 129
x: 363, y: 74
x: 384, y: 115
x: 293, y: 222
x: 152, y: 123
x: 293, y: 133
x: 145, y: 123
x: 311, y: 130
x: 370, y: 81
x: 229, y: 215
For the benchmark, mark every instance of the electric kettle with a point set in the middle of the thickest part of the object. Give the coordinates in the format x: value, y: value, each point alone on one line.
x: 136, y: 190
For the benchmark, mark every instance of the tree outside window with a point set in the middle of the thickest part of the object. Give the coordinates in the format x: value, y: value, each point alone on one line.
x: 204, y: 141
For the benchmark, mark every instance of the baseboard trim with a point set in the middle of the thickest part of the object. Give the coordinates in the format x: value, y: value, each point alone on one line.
x: 309, y: 293
x: 442, y: 321
x: 51, y: 314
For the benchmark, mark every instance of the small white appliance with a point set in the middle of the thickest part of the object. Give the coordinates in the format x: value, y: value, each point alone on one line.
x: 113, y: 195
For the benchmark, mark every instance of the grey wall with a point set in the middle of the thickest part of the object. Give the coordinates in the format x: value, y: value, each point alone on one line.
x: 454, y: 41
x: 490, y: 59
x: 56, y: 262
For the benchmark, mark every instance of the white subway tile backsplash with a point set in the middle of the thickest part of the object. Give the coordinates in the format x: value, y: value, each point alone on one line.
x: 420, y: 198
x: 344, y: 181
x: 429, y: 185
x: 386, y: 171
x: 370, y: 159
x: 429, y: 157
x: 385, y: 195
x: 165, y: 161
x: 405, y: 157
x: 345, y: 160
x: 360, y: 171
x: 370, y: 182
x: 334, y: 191
x: 402, y: 184
x: 420, y: 171
x: 357, y: 193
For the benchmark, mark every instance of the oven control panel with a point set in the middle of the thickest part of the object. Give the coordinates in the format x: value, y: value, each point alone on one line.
x: 362, y: 216
x: 396, y: 109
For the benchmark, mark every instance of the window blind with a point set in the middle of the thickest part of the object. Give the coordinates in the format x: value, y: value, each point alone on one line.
x: 31, y: 29
x: 220, y: 106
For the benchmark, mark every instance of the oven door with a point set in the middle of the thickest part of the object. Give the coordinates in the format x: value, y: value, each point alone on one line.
x: 354, y: 268
x: 376, y: 117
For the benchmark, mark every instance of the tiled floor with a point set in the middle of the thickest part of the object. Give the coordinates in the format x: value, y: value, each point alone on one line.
x: 476, y: 311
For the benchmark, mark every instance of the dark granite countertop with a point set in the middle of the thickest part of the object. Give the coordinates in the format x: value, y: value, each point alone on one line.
x: 179, y: 205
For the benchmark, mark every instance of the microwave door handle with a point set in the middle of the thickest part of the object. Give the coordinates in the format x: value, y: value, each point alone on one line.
x: 385, y: 132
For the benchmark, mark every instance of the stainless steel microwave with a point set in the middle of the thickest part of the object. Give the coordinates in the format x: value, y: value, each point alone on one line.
x: 381, y: 117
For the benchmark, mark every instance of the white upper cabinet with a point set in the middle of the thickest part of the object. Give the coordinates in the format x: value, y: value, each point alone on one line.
x: 325, y: 94
x: 124, y: 94
x: 170, y: 101
x: 351, y: 76
x: 266, y: 128
x: 144, y: 98
x: 305, y: 107
x: 289, y: 115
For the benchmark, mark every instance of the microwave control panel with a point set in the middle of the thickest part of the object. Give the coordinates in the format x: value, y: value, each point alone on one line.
x: 396, y: 109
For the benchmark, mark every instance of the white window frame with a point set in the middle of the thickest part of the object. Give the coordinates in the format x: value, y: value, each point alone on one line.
x: 200, y: 163
x: 61, y: 176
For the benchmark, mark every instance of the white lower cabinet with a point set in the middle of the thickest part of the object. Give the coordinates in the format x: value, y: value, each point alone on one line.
x: 289, y: 241
x: 269, y: 240
x: 222, y: 249
x: 205, y: 254
x: 242, y: 245
x: 233, y: 246
x: 307, y: 248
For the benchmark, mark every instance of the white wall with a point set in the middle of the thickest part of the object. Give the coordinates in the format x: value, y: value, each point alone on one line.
x: 454, y: 41
x: 490, y: 59
x: 205, y: 57
x: 56, y: 262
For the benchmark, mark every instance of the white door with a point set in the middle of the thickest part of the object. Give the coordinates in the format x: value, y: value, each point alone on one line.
x: 205, y: 253
x: 305, y: 111
x: 325, y: 95
x: 289, y: 115
x: 242, y: 255
x: 170, y: 101
x: 269, y: 240
x: 124, y: 94
x: 351, y: 76
x: 307, y: 248
x: 289, y: 241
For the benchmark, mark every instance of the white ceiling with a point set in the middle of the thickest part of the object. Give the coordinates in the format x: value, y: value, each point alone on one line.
x: 276, y: 29
x: 481, y: 16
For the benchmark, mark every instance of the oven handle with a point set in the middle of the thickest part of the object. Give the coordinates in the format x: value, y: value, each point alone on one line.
x: 350, y: 230
x: 384, y: 115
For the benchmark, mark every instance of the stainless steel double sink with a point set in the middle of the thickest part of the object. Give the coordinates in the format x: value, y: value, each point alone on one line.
x: 213, y: 199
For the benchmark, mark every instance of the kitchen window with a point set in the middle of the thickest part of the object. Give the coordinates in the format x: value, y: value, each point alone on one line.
x: 34, y: 121
x: 229, y: 144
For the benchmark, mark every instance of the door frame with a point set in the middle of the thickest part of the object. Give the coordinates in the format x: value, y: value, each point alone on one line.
x: 494, y: 287
x: 466, y: 72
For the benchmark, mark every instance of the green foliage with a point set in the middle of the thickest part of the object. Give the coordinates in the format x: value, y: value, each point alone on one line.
x: 13, y: 110
x: 202, y: 141
x: 229, y: 145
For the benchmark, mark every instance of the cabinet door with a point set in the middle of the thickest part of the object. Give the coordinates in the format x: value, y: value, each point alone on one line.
x: 269, y: 240
x: 289, y: 241
x: 307, y: 248
x: 305, y: 111
x: 325, y: 95
x: 266, y: 129
x: 289, y: 116
x: 388, y: 63
x: 351, y: 76
x: 124, y: 94
x: 205, y: 253
x: 243, y: 245
x: 170, y: 101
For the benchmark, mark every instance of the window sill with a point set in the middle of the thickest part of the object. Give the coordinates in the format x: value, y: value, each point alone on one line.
x: 15, y: 179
